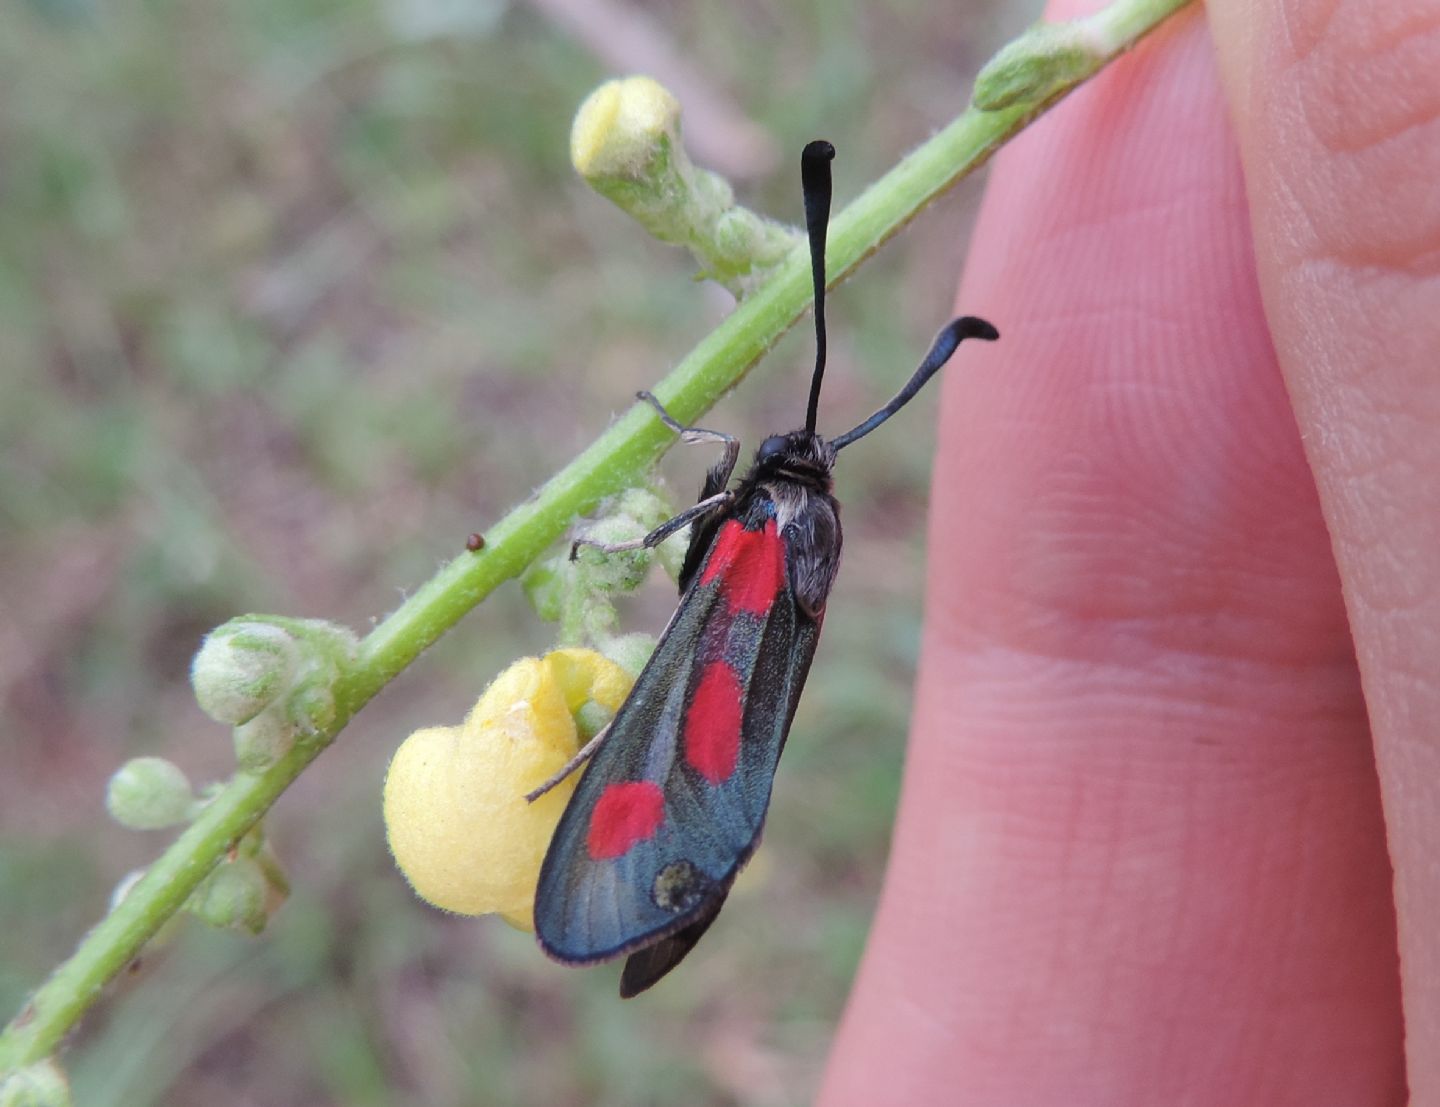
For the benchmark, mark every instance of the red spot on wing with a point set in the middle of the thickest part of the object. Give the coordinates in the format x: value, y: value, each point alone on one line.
x: 625, y: 815
x: 750, y: 565
x: 712, y: 723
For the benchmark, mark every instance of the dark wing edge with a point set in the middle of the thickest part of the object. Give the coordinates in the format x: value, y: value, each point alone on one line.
x: 647, y: 965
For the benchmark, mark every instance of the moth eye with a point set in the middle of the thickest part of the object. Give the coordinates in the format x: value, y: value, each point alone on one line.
x: 772, y: 447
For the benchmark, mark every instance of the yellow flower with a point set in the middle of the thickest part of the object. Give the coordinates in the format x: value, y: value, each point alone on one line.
x: 455, y: 809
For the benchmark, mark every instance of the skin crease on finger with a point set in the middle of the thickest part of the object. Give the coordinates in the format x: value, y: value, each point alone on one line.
x: 1338, y: 111
x: 1139, y: 857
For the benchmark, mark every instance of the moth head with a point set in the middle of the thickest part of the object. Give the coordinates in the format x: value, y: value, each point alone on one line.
x: 800, y: 451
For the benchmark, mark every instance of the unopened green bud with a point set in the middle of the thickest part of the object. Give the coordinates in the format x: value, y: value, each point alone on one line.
x: 277, y: 884
x: 149, y: 793
x: 591, y: 718
x: 1048, y: 58
x: 626, y: 144
x: 629, y: 651
x: 645, y: 506
x: 42, y: 1084
x: 312, y: 707
x: 740, y: 233
x: 252, y: 843
x: 614, y: 571
x: 628, y: 518
x: 670, y: 554
x: 242, y: 668
x: 545, y: 586
x: 264, y: 740
x: 232, y: 897
x: 648, y: 508
x: 322, y: 639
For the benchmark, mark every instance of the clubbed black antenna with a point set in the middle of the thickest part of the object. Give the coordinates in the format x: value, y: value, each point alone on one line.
x: 815, y: 183
x: 967, y: 326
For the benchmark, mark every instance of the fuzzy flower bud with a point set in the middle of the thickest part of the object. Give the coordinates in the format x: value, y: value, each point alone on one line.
x: 241, y: 668
x: 312, y: 707
x: 624, y: 131
x: 264, y: 740
x: 42, y: 1084
x: 1044, y: 61
x: 578, y: 592
x: 630, y: 651
x: 270, y: 735
x: 647, y: 509
x: 545, y: 586
x: 618, y: 570
x: 232, y: 897
x: 456, y: 816
x: 626, y: 143
x: 628, y: 518
x: 149, y: 793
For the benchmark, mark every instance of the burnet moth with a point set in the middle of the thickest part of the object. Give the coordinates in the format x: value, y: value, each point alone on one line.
x: 673, y: 800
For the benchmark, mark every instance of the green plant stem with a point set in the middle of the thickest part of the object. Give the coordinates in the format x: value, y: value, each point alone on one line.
x: 119, y: 937
x: 620, y: 458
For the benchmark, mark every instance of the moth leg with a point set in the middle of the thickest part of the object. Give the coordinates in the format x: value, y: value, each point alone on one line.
x: 691, y: 435
x: 718, y: 476
x: 570, y: 766
x: 708, y: 506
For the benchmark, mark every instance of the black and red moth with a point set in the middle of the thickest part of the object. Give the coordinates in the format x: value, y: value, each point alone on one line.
x: 673, y: 800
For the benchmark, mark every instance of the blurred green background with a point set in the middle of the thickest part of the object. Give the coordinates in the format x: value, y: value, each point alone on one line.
x: 294, y: 294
